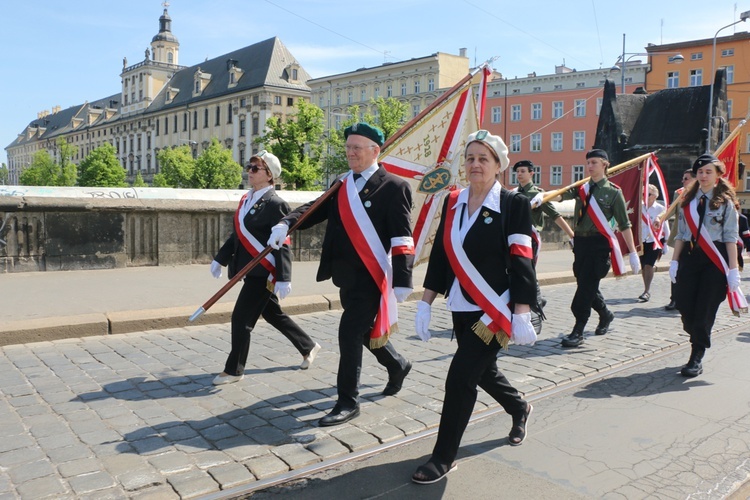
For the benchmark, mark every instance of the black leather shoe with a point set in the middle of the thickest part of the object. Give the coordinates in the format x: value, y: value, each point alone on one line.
x: 574, y: 339
x: 395, y: 382
x: 338, y: 416
x: 604, y: 322
x: 671, y: 306
x: 692, y: 369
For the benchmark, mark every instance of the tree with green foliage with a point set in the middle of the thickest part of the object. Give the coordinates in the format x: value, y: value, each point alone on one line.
x: 101, y: 168
x: 298, y: 144
x: 43, y: 171
x: 215, y: 168
x: 4, y: 174
x: 177, y: 166
x: 139, y: 182
x: 68, y: 170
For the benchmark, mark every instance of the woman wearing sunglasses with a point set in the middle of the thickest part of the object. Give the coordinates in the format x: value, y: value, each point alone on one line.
x: 259, y: 209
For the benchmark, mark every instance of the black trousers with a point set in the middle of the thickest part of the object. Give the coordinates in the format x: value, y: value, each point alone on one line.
x: 474, y: 364
x: 253, y: 301
x: 590, y: 265
x: 700, y: 290
x: 360, y: 304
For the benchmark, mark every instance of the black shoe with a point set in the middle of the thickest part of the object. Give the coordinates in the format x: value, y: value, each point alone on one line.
x: 518, y: 431
x: 671, y: 306
x: 338, y: 416
x: 396, y: 381
x: 574, y: 339
x: 692, y: 369
x: 604, y: 321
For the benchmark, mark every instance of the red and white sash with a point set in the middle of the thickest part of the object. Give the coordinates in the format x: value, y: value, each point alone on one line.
x: 656, y: 236
x: 251, y: 244
x: 737, y: 301
x: 602, y: 224
x: 534, y: 232
x: 366, y: 242
x: 497, y: 316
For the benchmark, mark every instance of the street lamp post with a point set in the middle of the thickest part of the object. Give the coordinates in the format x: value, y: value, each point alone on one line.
x: 743, y: 17
x: 675, y: 58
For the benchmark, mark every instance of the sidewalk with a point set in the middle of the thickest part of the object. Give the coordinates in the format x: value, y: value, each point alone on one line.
x: 70, y: 304
x: 135, y: 415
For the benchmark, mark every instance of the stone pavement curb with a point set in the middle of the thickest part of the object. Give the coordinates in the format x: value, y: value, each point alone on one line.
x: 135, y: 415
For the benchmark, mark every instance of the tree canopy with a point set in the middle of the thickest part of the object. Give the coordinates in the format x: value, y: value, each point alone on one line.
x: 213, y: 169
x: 46, y: 171
x: 101, y: 168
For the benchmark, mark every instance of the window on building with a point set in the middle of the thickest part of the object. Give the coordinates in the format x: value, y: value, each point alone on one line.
x: 537, y: 89
x: 415, y: 110
x: 729, y: 109
x: 431, y: 85
x: 389, y: 90
x: 516, y: 91
x: 255, y: 125
x: 403, y: 88
x: 148, y: 141
x: 195, y: 119
x: 140, y: 95
x: 338, y: 98
x: 140, y: 144
x: 580, y: 108
x: 170, y: 58
x: 580, y: 84
x: 696, y: 56
x: 184, y: 122
x: 256, y: 100
x: 577, y: 173
x: 515, y: 143
x: 205, y: 118
x: 157, y: 127
x: 727, y: 52
x: 218, y: 116
x: 320, y: 101
x: 277, y: 100
x: 363, y: 95
x: 730, y: 74
x: 513, y: 177
x: 515, y: 113
x: 579, y: 140
x: 696, y: 77
x: 497, y: 114
x: 174, y: 124
x: 536, y: 143
x: 557, y: 141
x: 417, y: 85
x: 166, y: 125
x: 557, y: 109
x: 229, y: 113
x: 349, y: 97
x: 555, y: 175
x: 558, y: 86
x: 376, y: 92
x: 242, y: 157
x: 242, y: 128
x: 599, y: 101
x: 197, y: 86
x: 673, y: 79
x: 536, y: 111
x: 290, y: 101
x: 537, y: 177
x: 243, y: 102
x: 295, y: 74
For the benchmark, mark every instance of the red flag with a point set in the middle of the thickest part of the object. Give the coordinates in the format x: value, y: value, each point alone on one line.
x: 482, y: 98
x: 630, y: 181
x: 730, y: 157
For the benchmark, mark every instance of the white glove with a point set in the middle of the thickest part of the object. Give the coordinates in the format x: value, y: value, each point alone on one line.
x: 635, y: 263
x: 282, y: 288
x: 673, y: 270
x: 536, y: 201
x: 422, y: 320
x: 278, y: 235
x: 522, y: 331
x: 571, y: 243
x: 402, y: 293
x: 664, y: 249
x: 215, y: 269
x: 733, y: 279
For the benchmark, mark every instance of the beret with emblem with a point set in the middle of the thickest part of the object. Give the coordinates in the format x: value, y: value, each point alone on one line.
x: 597, y: 153
x: 703, y: 160
x: 494, y: 142
x: 523, y: 163
x: 365, y: 130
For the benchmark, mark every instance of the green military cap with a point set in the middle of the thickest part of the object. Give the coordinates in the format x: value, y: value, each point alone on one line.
x: 365, y: 130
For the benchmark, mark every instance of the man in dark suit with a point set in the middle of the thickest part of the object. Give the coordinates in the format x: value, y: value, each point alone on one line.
x: 372, y: 206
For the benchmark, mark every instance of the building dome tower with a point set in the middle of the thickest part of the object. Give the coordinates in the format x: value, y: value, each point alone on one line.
x: 164, y: 46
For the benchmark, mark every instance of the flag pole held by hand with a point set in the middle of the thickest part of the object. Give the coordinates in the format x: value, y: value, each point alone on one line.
x: 250, y: 265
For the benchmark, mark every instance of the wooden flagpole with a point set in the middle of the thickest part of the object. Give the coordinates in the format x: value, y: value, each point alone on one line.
x: 551, y: 195
x: 250, y: 265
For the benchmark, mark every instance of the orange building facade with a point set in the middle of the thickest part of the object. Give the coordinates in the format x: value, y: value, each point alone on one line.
x: 551, y: 119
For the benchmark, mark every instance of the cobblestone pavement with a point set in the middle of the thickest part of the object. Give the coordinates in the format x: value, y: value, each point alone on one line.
x: 136, y: 416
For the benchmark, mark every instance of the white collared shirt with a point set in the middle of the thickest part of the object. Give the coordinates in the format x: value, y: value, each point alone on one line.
x: 653, y: 212
x: 456, y: 300
x: 256, y: 195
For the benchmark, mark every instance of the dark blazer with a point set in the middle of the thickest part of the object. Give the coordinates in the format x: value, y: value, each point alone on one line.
x: 486, y: 246
x: 389, y: 209
x: 269, y: 210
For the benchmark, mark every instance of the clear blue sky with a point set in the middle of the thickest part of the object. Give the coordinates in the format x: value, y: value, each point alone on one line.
x: 65, y: 53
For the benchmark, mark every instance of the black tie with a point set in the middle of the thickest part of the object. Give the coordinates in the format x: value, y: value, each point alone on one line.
x: 701, y: 214
x: 585, y: 203
x: 356, y: 176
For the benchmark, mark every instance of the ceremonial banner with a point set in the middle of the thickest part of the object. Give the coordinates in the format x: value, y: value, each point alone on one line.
x: 428, y: 154
x: 630, y: 181
x: 482, y: 98
x: 730, y: 155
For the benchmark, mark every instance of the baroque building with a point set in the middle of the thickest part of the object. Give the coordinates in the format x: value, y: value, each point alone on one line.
x: 162, y: 104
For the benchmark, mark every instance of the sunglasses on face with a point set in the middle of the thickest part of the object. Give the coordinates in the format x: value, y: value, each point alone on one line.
x: 254, y: 168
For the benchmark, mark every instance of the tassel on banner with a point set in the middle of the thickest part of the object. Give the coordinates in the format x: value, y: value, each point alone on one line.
x: 377, y: 343
x: 484, y: 333
x: 269, y: 286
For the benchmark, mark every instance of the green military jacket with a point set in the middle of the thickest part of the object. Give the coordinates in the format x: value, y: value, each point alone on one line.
x: 538, y: 214
x: 609, y: 198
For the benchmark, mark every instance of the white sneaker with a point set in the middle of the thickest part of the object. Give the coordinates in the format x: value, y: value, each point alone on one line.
x: 308, y: 361
x: 224, y: 378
